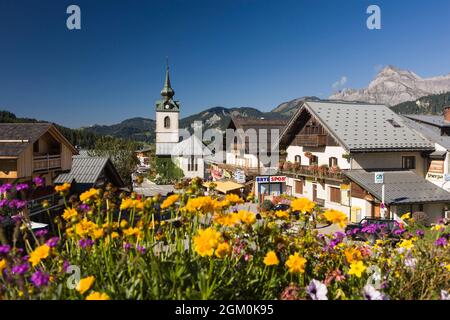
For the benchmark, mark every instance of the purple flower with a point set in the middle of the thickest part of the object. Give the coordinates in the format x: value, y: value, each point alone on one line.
x: 38, y: 181
x: 5, y: 187
x: 21, y: 186
x: 398, y: 232
x: 85, y: 243
x: 18, y: 204
x: 16, y: 218
x: 84, y: 207
x: 3, y: 203
x: 441, y: 242
x: 372, y: 228
x: 317, y: 290
x: 65, y: 266
x: 52, y: 242
x: 420, y: 233
x: 41, y: 233
x: 4, y: 249
x: 126, y: 246
x: 338, y: 237
x: 140, y: 249
x: 20, y: 269
x: 40, y: 278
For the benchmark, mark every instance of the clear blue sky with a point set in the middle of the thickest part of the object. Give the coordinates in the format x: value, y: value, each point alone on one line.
x: 222, y: 53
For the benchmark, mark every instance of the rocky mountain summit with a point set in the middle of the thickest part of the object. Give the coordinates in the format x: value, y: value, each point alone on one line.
x: 392, y: 86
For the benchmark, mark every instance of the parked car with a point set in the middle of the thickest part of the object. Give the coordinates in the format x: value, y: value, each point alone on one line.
x: 372, y: 229
x: 282, y: 207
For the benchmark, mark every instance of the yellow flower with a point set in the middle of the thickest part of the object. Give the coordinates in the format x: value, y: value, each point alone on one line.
x: 132, y: 232
x: 406, y: 244
x: 233, y: 199
x: 352, y: 255
x: 206, y: 241
x: 127, y: 203
x: 246, y: 217
x: 438, y: 227
x: 2, y: 265
x: 406, y: 216
x: 357, y: 268
x: 271, y: 259
x: 123, y: 223
x: 200, y: 204
x: 282, y: 214
x: 296, y: 263
x: 303, y: 205
x: 227, y: 220
x: 69, y: 214
x: 85, y: 227
x: 88, y: 195
x: 97, y: 296
x: 223, y: 250
x: 114, y: 235
x: 336, y: 217
x: 97, y: 233
x: 170, y: 201
x: 85, y: 284
x: 63, y: 188
x: 39, y: 254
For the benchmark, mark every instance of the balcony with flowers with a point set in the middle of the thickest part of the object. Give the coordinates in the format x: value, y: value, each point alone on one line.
x: 315, y: 171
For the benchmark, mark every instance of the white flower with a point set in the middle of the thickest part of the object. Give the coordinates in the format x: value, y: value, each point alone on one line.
x: 317, y: 290
x: 370, y: 293
x: 445, y: 295
x: 410, y: 262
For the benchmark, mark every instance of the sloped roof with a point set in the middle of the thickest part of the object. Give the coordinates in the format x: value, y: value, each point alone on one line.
x: 87, y: 170
x: 429, y: 130
x: 28, y: 133
x: 191, y: 146
x: 360, y: 127
x: 249, y: 123
x: 401, y: 187
x: 430, y: 119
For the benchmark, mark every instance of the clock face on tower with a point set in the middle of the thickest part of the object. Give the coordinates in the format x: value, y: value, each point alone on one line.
x: 167, y: 106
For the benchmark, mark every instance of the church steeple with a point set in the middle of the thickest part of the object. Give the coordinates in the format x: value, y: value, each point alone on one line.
x: 167, y: 92
x: 167, y: 104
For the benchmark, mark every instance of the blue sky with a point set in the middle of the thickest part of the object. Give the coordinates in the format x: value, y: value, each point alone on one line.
x: 251, y: 53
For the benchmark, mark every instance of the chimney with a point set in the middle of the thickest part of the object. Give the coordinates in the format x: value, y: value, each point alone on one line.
x: 447, y: 114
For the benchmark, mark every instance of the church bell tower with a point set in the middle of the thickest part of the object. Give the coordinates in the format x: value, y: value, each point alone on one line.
x: 167, y: 120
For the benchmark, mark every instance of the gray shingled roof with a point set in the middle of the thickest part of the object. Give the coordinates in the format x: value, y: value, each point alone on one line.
x: 367, y: 127
x: 429, y: 130
x: 433, y: 120
x: 84, y: 170
x: 29, y: 132
x: 401, y: 187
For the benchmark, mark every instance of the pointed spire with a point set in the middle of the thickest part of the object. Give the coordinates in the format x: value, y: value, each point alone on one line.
x: 167, y: 92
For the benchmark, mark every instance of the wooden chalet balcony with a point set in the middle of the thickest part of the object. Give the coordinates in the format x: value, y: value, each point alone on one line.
x: 314, y: 171
x: 47, y: 162
x: 310, y: 140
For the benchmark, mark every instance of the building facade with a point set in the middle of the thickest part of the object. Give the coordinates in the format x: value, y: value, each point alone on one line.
x: 28, y: 150
x: 333, y: 150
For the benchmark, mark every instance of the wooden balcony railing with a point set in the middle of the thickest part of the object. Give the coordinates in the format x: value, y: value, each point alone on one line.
x: 310, y: 140
x: 47, y: 162
x: 315, y: 172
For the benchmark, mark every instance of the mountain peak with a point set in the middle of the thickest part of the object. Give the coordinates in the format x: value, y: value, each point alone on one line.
x: 393, y: 85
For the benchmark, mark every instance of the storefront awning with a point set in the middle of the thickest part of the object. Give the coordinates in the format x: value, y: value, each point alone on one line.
x: 225, y: 186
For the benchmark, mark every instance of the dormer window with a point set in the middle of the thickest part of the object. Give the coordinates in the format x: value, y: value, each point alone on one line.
x: 394, y: 123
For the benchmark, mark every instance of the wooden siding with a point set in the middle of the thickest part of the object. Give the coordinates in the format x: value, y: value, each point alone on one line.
x: 66, y: 158
x: 25, y: 163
